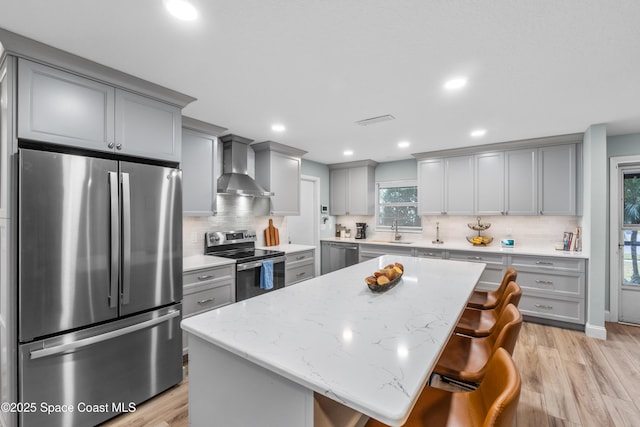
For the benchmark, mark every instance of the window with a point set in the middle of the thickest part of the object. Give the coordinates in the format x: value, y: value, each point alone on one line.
x: 397, y: 201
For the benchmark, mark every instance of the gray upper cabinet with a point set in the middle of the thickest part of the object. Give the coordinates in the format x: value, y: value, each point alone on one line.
x: 278, y: 169
x: 458, y: 182
x: 147, y: 128
x: 521, y: 181
x: 63, y: 108
x: 339, y: 182
x: 445, y: 186
x: 557, y: 180
x: 489, y: 183
x: 352, y: 187
x: 200, y: 167
x: 431, y: 187
x: 59, y: 107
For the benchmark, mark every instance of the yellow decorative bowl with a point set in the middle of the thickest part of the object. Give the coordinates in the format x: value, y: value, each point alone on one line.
x: 480, y: 240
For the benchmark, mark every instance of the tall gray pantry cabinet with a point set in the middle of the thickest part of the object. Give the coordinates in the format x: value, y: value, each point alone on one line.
x: 54, y: 101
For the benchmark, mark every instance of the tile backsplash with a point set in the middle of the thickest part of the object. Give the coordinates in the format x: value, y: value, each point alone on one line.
x: 236, y: 212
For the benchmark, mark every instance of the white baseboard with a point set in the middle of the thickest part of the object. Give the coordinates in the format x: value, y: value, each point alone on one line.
x: 607, y: 316
x: 593, y: 331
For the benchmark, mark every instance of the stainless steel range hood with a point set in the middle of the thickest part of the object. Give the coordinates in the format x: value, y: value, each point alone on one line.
x: 235, y: 178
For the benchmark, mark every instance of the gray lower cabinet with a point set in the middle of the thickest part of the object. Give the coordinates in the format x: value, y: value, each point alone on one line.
x: 553, y: 288
x: 59, y: 107
x: 493, y: 272
x: 367, y: 252
x: 207, y: 289
x: 430, y: 253
x: 299, y: 266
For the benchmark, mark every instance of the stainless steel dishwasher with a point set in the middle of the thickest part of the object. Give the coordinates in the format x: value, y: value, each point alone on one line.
x: 337, y: 255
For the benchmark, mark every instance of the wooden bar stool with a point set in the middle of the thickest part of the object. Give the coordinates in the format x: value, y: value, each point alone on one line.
x: 492, y: 404
x: 485, y: 300
x: 480, y: 323
x: 465, y: 358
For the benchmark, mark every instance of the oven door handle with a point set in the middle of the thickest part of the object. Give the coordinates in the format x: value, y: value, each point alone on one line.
x: 256, y: 264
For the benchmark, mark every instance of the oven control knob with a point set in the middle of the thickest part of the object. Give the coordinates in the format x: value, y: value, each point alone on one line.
x: 216, y: 238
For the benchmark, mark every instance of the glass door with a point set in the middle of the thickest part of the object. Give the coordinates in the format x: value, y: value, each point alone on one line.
x: 630, y: 246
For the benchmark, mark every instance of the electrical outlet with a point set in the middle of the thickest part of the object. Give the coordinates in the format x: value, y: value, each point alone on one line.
x: 194, y: 237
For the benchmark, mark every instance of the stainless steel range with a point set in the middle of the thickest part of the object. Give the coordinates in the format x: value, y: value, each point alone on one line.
x: 240, y: 246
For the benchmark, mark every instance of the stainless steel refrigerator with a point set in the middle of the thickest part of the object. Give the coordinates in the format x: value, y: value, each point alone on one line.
x: 100, y: 268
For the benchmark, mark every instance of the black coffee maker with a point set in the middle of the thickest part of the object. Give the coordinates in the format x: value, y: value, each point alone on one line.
x: 361, y: 230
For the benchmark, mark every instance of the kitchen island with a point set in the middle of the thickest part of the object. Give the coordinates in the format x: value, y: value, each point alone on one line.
x: 259, y: 362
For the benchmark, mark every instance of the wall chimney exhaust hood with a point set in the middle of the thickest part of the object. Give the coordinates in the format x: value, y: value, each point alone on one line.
x: 235, y: 179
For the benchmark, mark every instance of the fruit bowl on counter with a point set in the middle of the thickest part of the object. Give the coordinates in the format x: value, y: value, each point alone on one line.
x: 480, y: 240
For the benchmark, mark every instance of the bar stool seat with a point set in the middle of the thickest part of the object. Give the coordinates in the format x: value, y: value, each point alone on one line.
x: 493, y: 404
x: 480, y: 323
x: 465, y: 358
x: 485, y: 300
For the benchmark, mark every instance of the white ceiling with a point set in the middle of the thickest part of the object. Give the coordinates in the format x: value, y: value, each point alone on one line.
x: 535, y: 67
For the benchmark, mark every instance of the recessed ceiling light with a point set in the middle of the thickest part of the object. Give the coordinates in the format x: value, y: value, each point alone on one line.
x: 181, y: 9
x: 348, y: 152
x: 278, y: 127
x: 478, y: 133
x: 457, y: 83
x: 404, y: 144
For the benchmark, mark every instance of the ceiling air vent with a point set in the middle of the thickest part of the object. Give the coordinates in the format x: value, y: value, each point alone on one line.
x: 374, y: 120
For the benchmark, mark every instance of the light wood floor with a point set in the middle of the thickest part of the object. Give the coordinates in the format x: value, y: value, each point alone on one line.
x: 568, y: 379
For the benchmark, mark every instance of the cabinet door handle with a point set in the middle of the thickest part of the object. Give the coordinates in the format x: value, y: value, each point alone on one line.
x: 544, y: 282
x: 544, y: 263
x: 477, y: 258
x: 546, y: 307
x: 301, y: 274
x: 206, y: 301
x: 119, y: 146
x: 111, y: 145
x: 428, y: 254
x: 298, y: 258
x: 208, y: 276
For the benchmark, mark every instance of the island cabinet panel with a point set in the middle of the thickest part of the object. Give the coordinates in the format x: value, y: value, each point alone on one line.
x: 352, y: 188
x: 63, y: 108
x: 60, y: 107
x: 553, y: 288
x: 521, y: 182
x: 205, y: 290
x: 431, y: 187
x: 278, y: 169
x: 299, y: 266
x: 458, y: 181
x: 489, y: 184
x: 557, y: 180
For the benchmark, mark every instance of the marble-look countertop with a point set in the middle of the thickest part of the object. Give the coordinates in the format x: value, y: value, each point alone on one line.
x: 288, y: 248
x: 373, y: 352
x: 536, y: 249
x: 198, y: 262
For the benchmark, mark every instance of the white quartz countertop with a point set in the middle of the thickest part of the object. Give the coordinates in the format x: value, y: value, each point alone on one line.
x: 373, y: 352
x: 536, y: 249
x: 289, y: 248
x: 198, y: 262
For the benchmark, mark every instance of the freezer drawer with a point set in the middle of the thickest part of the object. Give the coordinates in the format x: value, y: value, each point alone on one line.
x: 101, y: 371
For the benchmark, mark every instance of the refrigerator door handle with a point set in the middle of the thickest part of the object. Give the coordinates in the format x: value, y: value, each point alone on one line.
x: 126, y: 238
x: 75, y: 345
x: 115, y: 240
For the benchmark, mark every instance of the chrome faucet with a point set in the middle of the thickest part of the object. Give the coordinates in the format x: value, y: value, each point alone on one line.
x: 397, y: 236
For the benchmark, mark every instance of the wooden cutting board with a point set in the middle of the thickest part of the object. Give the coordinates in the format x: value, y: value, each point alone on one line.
x: 271, y: 235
